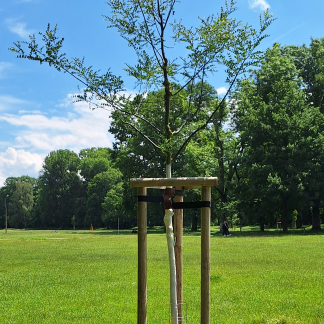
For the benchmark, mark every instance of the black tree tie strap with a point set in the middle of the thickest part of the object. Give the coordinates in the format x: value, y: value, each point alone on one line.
x: 178, y: 193
x: 194, y: 204
x: 150, y: 198
x: 175, y: 205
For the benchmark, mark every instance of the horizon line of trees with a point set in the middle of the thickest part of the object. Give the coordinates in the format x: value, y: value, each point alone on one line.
x: 266, y: 145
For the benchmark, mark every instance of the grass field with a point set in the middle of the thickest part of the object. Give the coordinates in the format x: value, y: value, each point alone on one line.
x: 84, y: 277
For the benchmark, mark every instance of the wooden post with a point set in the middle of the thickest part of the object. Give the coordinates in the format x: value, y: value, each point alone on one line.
x: 178, y: 230
x: 205, y: 258
x: 142, y: 258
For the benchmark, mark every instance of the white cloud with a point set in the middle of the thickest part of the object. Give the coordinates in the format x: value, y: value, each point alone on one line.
x: 36, y: 134
x: 6, y: 102
x: 19, y: 28
x: 221, y: 91
x: 81, y: 128
x: 259, y: 4
x: 15, y: 163
x: 36, y: 112
x: 4, y: 66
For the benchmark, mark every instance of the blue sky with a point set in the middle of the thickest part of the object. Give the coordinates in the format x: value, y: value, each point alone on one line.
x: 36, y: 110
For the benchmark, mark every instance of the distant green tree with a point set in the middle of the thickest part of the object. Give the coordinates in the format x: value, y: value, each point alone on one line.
x: 112, y: 207
x: 281, y: 135
x: 10, y: 187
x: 10, y: 183
x: 3, y: 195
x: 309, y: 61
x: 104, y: 185
x: 73, y: 222
x: 99, y: 173
x: 59, y: 188
x: 93, y: 161
x: 21, y: 205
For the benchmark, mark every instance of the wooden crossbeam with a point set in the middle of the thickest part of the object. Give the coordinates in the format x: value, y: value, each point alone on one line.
x: 186, y: 183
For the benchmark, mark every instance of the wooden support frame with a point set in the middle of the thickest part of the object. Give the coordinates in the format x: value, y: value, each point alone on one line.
x: 179, y: 183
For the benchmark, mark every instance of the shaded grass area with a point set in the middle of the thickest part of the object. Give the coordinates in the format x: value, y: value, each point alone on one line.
x: 84, y: 277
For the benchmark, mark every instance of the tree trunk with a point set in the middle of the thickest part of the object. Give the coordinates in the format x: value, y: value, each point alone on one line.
x: 284, y: 217
x: 194, y: 223
x: 316, y: 222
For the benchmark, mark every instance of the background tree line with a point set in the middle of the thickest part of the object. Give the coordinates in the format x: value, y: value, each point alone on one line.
x: 265, y: 144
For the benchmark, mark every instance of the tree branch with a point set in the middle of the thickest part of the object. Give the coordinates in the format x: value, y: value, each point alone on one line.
x: 195, y: 75
x: 141, y: 133
x: 155, y: 50
x: 169, y: 13
x: 188, y: 139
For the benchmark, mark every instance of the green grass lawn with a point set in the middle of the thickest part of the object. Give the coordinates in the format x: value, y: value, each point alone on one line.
x: 84, y: 277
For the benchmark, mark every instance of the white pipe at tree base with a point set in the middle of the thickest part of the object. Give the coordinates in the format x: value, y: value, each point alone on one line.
x: 173, y: 275
x: 173, y: 279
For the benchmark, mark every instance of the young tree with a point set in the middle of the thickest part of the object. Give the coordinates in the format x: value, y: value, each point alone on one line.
x: 219, y: 40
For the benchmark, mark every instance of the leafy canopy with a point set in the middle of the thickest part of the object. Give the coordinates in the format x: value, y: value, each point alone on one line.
x: 219, y: 41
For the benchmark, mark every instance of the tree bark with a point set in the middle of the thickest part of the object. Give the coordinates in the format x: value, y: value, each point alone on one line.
x: 142, y: 258
x: 205, y: 257
x: 284, y: 217
x: 178, y: 230
x: 194, y: 222
x: 316, y: 221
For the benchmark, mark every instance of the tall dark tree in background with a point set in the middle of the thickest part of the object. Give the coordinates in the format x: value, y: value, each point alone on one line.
x: 94, y: 161
x: 309, y: 62
x: 101, y: 182
x: 282, y: 138
x: 19, y: 193
x: 59, y: 187
x: 97, y: 191
x: 21, y: 205
x: 113, y: 206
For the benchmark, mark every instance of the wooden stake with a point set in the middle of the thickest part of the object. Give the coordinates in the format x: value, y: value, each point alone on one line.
x: 142, y: 258
x: 178, y: 230
x: 205, y: 257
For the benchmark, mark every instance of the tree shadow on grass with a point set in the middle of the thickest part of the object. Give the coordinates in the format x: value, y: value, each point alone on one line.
x: 130, y: 231
x: 250, y: 231
x: 255, y: 231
